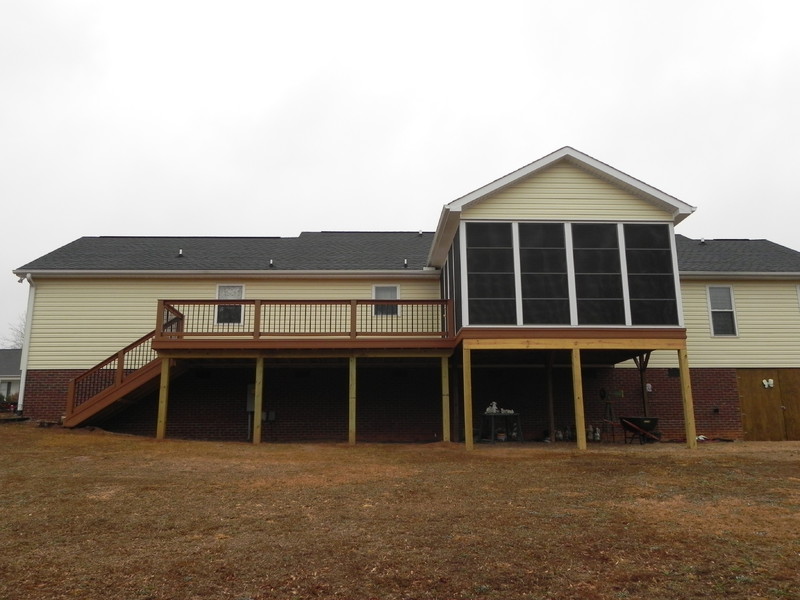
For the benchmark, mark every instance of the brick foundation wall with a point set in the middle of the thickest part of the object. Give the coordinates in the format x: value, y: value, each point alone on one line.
x: 714, y: 391
x: 715, y: 394
x: 301, y: 404
x: 397, y: 402
x: 45, y: 396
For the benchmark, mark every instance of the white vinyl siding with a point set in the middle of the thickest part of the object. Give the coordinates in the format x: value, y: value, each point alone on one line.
x: 767, y: 319
x: 564, y: 192
x: 79, y: 322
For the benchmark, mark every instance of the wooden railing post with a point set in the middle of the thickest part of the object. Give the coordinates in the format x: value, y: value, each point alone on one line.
x: 160, y: 319
x: 120, y: 374
x: 257, y: 319
x: 353, y: 318
x: 451, y: 318
x: 70, y: 397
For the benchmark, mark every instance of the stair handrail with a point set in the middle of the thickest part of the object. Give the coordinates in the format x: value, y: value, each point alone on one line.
x: 111, y: 372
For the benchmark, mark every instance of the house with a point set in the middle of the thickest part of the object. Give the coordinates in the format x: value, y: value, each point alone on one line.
x: 559, y: 291
x: 10, y: 374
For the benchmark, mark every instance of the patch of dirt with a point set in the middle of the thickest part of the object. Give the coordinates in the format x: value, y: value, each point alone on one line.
x: 92, y: 515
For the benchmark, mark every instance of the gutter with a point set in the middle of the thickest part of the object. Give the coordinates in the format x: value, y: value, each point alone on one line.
x: 277, y: 273
x: 26, y: 342
x: 706, y: 275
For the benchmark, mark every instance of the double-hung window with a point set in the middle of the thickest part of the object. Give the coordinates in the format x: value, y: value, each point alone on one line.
x: 385, y: 292
x: 723, y: 316
x: 229, y: 314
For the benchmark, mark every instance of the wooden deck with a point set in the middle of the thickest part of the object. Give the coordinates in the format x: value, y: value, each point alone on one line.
x: 302, y: 324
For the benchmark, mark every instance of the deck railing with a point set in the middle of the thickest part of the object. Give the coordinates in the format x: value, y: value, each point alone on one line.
x: 110, y: 373
x: 258, y: 319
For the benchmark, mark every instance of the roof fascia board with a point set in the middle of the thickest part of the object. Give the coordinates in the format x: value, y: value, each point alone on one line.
x: 680, y: 210
x: 445, y: 231
x: 415, y: 274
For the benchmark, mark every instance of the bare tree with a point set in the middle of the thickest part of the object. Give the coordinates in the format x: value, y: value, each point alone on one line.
x: 16, y: 334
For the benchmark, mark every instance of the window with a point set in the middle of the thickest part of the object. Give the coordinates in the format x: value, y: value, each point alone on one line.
x: 723, y: 318
x: 230, y: 314
x: 385, y: 292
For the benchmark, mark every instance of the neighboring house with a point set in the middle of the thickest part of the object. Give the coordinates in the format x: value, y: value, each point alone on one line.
x: 10, y: 373
x: 554, y: 291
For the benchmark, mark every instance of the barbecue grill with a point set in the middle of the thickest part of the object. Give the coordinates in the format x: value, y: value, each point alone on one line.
x: 643, y: 428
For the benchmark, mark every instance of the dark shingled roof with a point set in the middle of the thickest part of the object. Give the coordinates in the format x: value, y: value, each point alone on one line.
x: 352, y: 251
x: 9, y: 363
x: 317, y: 251
x: 735, y: 256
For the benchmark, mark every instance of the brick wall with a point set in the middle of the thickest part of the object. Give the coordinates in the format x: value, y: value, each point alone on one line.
x: 301, y: 403
x: 397, y: 401
x: 524, y: 389
x: 46, y: 393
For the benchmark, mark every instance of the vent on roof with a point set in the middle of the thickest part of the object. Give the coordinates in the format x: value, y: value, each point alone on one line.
x: 180, y: 252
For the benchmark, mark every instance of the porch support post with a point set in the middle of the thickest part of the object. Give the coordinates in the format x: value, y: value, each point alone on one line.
x: 258, y: 400
x: 351, y: 427
x: 467, y: 393
x: 688, y: 402
x: 163, y: 398
x: 445, y: 400
x: 641, y: 363
x: 551, y: 414
x: 577, y: 392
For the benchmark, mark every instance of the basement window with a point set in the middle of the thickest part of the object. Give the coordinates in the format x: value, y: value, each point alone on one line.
x: 720, y: 304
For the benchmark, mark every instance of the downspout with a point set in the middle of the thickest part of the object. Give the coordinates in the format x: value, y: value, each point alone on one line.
x: 26, y: 342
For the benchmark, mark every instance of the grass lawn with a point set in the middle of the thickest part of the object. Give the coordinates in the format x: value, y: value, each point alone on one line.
x: 93, y: 515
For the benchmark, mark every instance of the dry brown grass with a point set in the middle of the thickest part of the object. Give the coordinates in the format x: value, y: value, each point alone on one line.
x: 95, y: 515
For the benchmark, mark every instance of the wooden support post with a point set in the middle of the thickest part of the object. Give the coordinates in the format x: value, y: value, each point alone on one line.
x: 445, y: 400
x: 577, y: 392
x: 258, y: 400
x: 163, y: 399
x: 641, y: 363
x: 351, y: 427
x: 551, y: 411
x: 688, y: 402
x: 467, y: 393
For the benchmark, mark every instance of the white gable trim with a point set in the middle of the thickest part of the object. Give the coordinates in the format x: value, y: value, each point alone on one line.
x: 451, y: 213
x: 679, y: 209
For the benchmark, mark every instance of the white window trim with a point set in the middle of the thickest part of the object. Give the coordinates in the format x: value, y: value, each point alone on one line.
x: 241, y: 313
x: 678, y: 293
x: 711, y: 311
x: 517, y: 271
x: 623, y: 270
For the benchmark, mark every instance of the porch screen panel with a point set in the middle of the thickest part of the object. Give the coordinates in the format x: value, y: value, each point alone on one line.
x: 490, y: 274
x: 598, y: 274
x: 457, y: 274
x: 543, y: 273
x: 651, y: 279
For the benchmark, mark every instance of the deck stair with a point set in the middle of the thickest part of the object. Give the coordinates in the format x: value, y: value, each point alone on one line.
x: 112, y: 384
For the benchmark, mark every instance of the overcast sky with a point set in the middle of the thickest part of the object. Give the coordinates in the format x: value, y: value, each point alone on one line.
x: 253, y: 118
